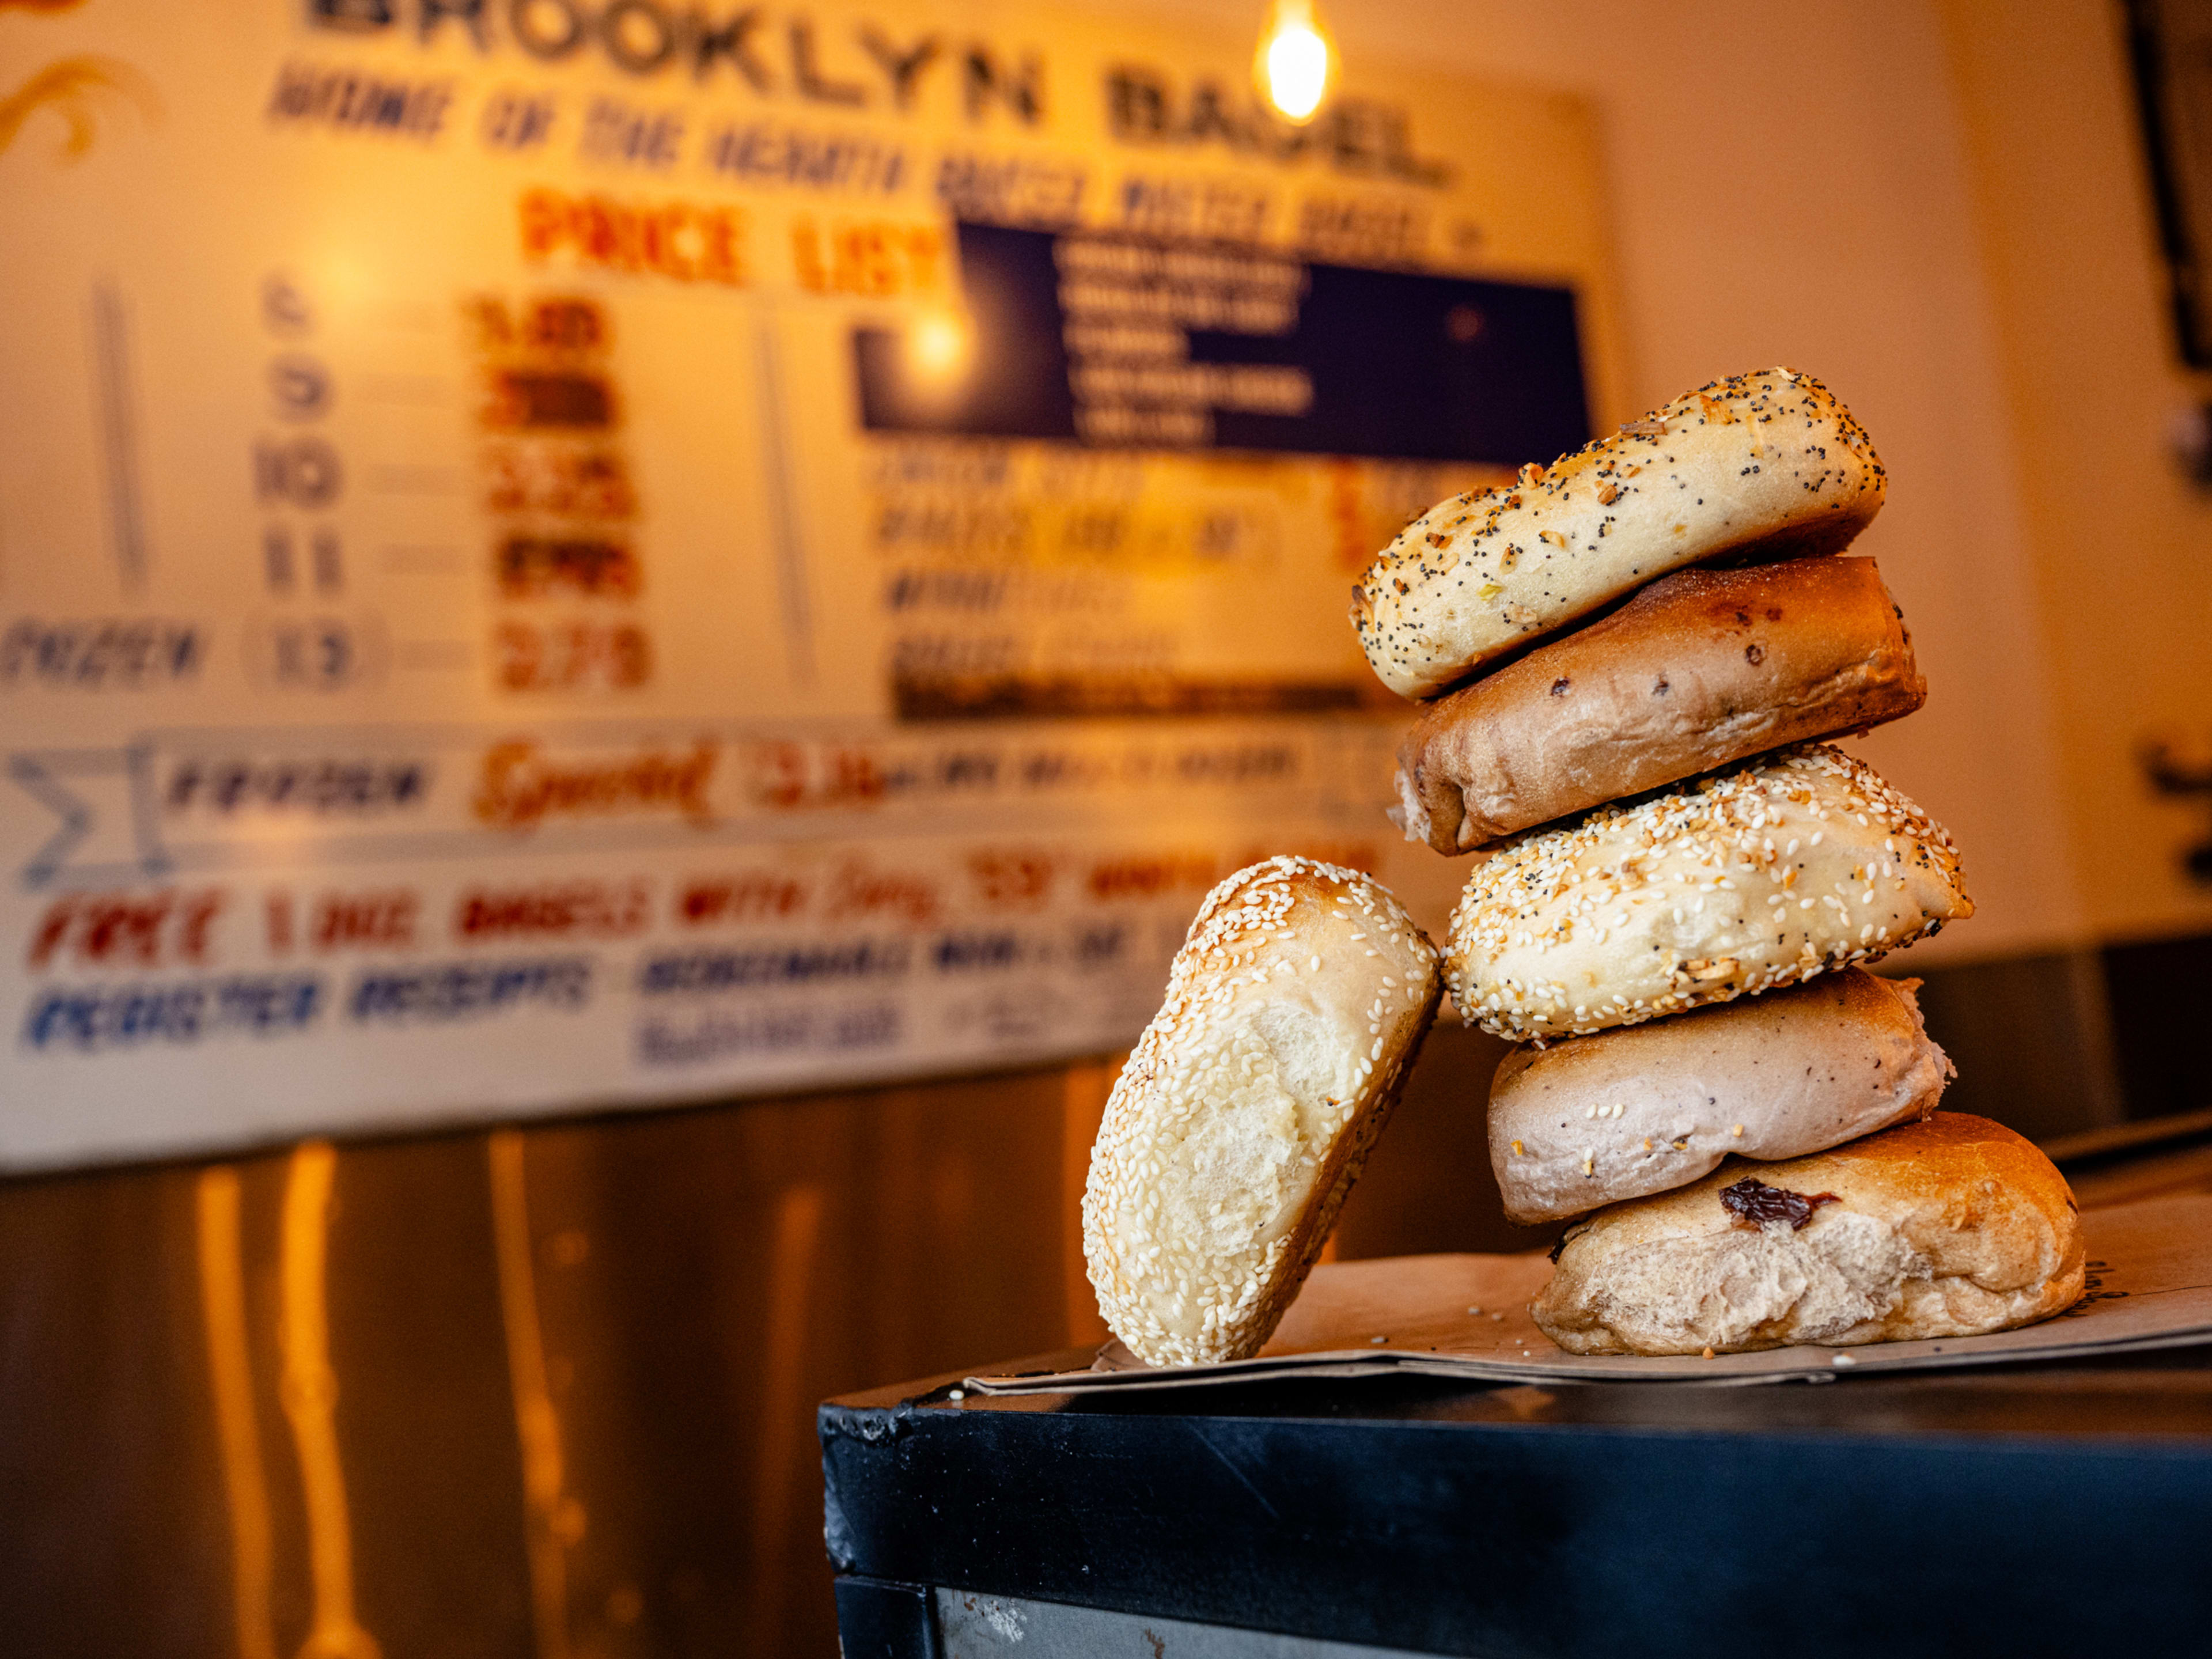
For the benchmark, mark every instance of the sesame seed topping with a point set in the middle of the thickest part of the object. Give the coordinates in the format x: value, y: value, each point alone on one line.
x: 1519, y: 966
x: 1559, y: 540
x: 1188, y: 1268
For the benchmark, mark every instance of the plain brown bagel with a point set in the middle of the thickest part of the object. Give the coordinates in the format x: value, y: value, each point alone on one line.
x: 1701, y: 668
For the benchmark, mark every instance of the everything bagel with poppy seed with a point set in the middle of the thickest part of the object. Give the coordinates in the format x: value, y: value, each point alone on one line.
x: 1761, y: 466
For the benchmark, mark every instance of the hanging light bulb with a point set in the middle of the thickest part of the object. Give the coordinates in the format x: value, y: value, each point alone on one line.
x: 1295, y: 60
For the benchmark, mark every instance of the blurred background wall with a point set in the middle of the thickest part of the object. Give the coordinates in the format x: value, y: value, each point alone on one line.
x: 554, y: 1393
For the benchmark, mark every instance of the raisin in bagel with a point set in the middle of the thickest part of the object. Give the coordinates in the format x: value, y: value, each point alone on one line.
x: 1244, y: 1115
x: 1953, y: 1227
x: 1644, y: 1109
x: 1800, y: 861
x: 1701, y: 668
x: 1765, y: 465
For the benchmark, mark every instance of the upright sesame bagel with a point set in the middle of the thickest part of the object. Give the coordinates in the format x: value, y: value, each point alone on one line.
x: 1248, y: 1107
x: 1763, y: 875
x: 1590, y: 1121
x: 1952, y: 1227
x: 1765, y: 465
x: 1701, y: 668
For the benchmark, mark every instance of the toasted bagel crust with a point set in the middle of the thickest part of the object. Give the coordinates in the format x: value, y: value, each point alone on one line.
x: 1248, y: 1107
x: 1699, y: 669
x: 1768, y: 464
x: 1952, y: 1227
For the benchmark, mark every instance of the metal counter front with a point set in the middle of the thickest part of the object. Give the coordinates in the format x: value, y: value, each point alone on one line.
x: 2052, y: 1509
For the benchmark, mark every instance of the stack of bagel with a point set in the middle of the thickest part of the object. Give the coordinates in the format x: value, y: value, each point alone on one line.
x: 1629, y: 661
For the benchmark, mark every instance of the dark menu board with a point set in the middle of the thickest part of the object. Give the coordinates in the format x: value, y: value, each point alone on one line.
x: 1118, y: 341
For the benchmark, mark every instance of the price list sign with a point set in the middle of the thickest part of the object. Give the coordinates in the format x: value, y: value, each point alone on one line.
x: 581, y: 552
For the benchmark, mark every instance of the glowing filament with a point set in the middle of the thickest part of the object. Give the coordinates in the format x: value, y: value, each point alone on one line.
x: 1295, y: 60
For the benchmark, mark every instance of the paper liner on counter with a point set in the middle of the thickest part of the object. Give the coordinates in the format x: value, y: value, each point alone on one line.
x: 2149, y: 1286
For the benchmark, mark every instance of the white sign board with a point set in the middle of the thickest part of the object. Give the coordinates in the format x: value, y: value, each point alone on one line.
x: 575, y: 552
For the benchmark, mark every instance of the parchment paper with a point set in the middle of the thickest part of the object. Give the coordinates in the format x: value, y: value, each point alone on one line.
x: 2149, y: 1286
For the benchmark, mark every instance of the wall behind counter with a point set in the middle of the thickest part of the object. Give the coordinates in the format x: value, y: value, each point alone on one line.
x: 549, y: 1391
x: 1941, y: 209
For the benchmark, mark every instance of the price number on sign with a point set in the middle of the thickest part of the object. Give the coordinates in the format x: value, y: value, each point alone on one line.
x: 1008, y: 879
x: 314, y: 653
x: 811, y: 777
x: 301, y: 472
x: 587, y: 482
x: 553, y: 323
x: 572, y: 656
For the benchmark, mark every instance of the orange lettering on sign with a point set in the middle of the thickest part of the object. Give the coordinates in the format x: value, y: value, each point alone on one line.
x: 584, y: 905
x: 1142, y: 877
x: 572, y: 656
x: 689, y: 241
x: 126, y: 930
x: 752, y: 896
x: 523, y: 787
x: 859, y: 890
x: 344, y: 921
x: 877, y: 258
x: 1011, y: 879
x: 793, y: 777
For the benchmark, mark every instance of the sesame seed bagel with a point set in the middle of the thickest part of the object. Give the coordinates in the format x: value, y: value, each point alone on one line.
x: 1590, y: 1121
x: 1953, y: 1227
x: 1765, y: 465
x: 1801, y: 860
x: 1246, y: 1109
x: 1699, y: 669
